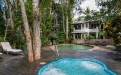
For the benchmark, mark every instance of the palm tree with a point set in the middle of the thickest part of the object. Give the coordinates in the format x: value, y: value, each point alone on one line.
x: 95, y: 15
x: 87, y: 12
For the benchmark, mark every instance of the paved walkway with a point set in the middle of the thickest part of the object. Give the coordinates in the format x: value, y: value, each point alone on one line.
x: 18, y: 65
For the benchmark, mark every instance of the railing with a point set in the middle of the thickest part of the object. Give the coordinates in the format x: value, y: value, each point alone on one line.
x: 84, y: 30
x: 57, y: 53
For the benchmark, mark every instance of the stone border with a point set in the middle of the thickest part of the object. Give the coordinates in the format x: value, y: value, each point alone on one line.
x: 53, y: 46
x: 94, y: 47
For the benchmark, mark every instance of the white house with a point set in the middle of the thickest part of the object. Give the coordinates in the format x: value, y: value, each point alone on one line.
x: 85, y: 28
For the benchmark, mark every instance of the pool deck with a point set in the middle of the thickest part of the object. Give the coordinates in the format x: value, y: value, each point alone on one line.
x: 18, y: 65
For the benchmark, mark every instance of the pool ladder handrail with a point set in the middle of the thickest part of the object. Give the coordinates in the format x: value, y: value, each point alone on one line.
x: 57, y: 53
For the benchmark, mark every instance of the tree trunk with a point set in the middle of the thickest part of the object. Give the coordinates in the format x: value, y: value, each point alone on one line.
x: 6, y: 6
x: 50, y: 7
x: 62, y: 1
x: 36, y: 30
x: 27, y: 32
x: 10, y: 15
x: 67, y: 23
x: 63, y: 20
x: 6, y: 22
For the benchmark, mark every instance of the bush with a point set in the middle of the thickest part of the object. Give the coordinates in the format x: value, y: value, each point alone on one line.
x: 61, y: 37
x: 90, y: 37
x: 1, y: 39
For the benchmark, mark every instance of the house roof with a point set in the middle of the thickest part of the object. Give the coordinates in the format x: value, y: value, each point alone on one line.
x: 81, y: 21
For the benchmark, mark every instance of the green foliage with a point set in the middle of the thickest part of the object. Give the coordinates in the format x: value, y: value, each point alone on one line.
x: 70, y: 39
x: 45, y: 41
x: 45, y: 4
x: 111, y: 8
x: 90, y: 37
x: 17, y: 39
x: 87, y: 12
x: 1, y: 39
x: 53, y: 35
x: 113, y: 29
x: 2, y: 24
x: 80, y: 18
x: 102, y: 33
x: 29, y: 12
x: 61, y: 37
x: 46, y: 26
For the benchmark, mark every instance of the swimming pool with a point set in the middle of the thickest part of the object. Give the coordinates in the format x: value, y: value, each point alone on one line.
x: 69, y: 66
x: 73, y: 47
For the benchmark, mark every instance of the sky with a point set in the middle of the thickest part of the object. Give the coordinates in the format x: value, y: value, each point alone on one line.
x: 88, y: 3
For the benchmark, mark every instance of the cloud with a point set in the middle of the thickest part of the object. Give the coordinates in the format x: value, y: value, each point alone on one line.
x: 89, y: 3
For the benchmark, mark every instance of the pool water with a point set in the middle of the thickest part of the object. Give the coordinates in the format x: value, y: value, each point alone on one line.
x: 68, y: 66
x: 74, y: 47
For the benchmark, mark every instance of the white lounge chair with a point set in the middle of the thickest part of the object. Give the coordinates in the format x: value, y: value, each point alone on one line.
x: 1, y: 53
x: 1, y: 56
x: 7, y: 48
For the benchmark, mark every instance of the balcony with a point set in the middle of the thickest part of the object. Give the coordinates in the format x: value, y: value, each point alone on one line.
x: 85, y: 30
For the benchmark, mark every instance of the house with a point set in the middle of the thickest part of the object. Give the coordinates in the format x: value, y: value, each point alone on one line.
x: 86, y: 28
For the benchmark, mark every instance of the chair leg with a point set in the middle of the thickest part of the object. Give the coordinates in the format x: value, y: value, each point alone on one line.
x: 1, y: 57
x: 7, y: 53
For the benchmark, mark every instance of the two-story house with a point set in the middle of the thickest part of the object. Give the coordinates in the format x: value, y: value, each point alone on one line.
x: 86, y: 28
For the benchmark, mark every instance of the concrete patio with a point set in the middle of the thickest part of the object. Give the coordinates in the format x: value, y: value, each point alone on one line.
x: 18, y: 65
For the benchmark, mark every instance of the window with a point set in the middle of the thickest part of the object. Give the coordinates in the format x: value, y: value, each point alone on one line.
x: 75, y: 26
x: 79, y: 26
x: 77, y: 35
x: 82, y: 25
x: 86, y: 25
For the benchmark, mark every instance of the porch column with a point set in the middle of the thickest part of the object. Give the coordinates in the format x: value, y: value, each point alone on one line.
x: 84, y: 36
x: 73, y: 35
x: 96, y: 35
x: 97, y: 32
x: 88, y: 25
x: 81, y: 36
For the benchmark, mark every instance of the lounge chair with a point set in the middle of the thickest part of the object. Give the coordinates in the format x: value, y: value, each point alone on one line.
x: 96, y: 42
x: 1, y: 56
x: 104, y: 43
x: 117, y: 54
x: 7, y: 48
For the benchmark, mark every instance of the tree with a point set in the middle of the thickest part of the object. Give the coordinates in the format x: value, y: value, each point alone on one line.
x: 111, y: 8
x: 70, y: 4
x: 2, y: 25
x: 36, y: 30
x: 95, y: 15
x: 87, y: 12
x: 35, y: 50
x: 27, y: 32
x: 113, y: 30
x: 32, y: 16
x: 9, y: 16
x: 67, y: 5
